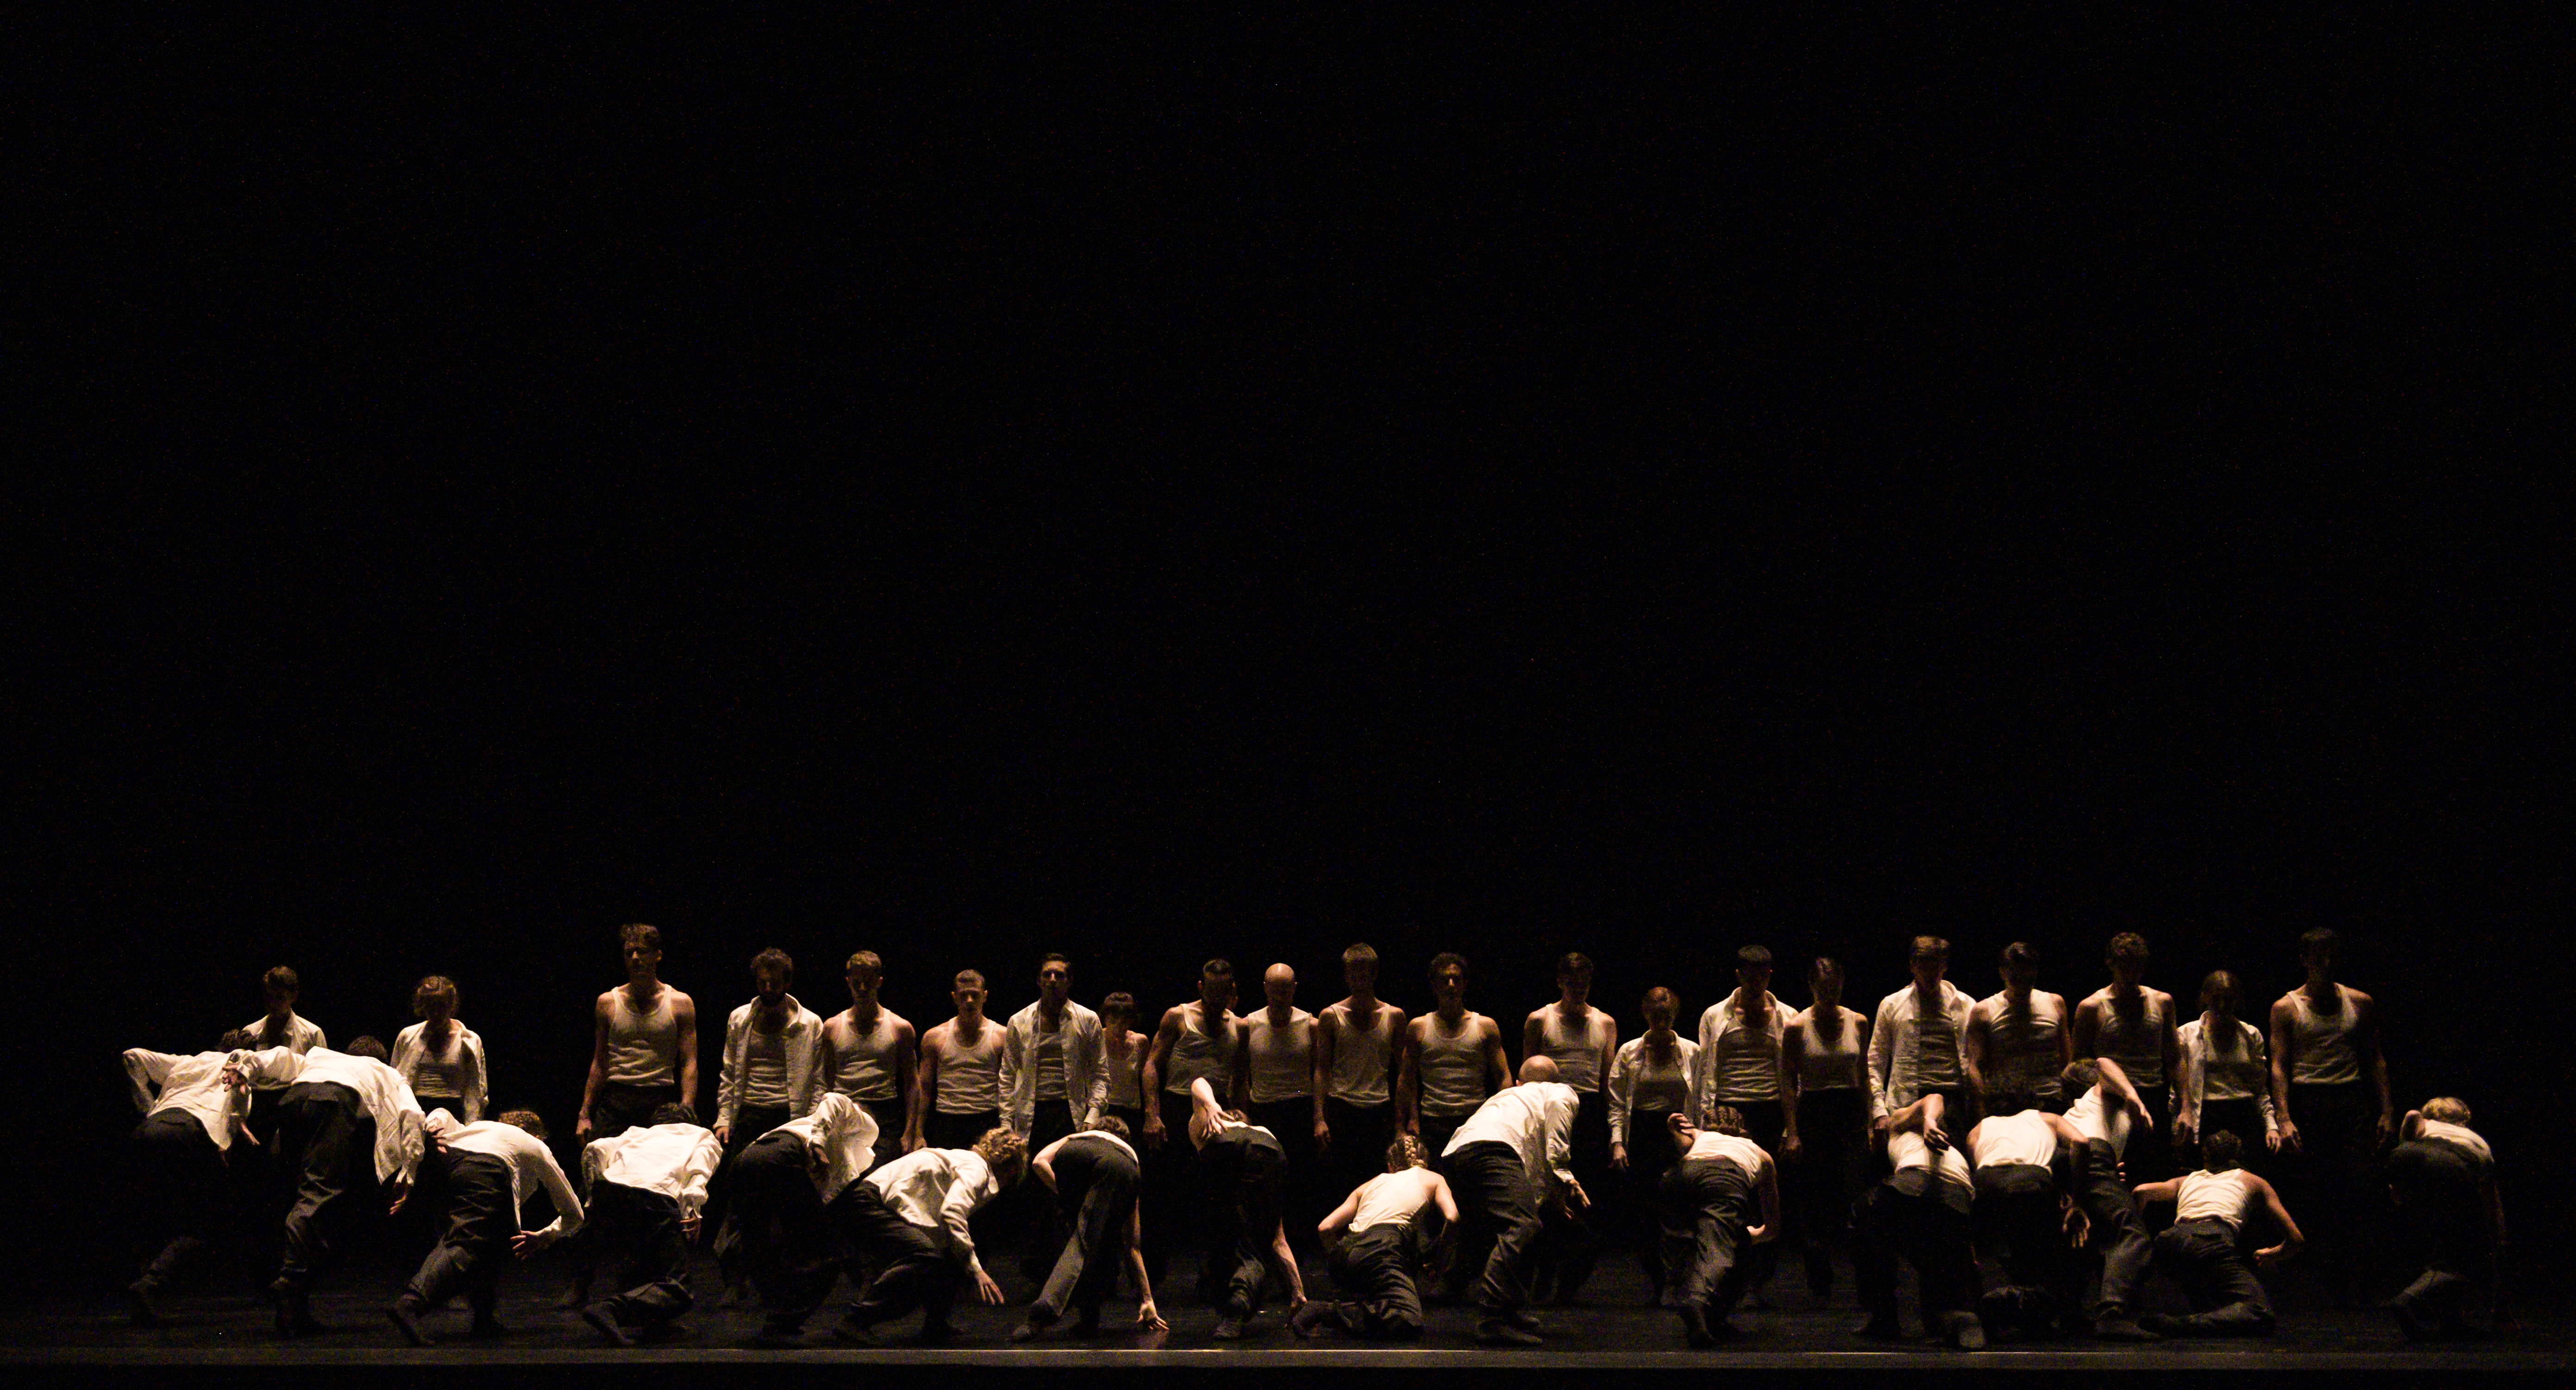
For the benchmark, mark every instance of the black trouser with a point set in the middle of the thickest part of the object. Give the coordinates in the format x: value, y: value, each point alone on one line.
x: 327, y: 1141
x: 1765, y: 1123
x: 1375, y: 1267
x: 2338, y: 1198
x: 2444, y: 1215
x: 620, y: 1107
x: 2227, y: 1300
x: 786, y: 1246
x: 1360, y: 1136
x: 2244, y: 1119
x: 1832, y: 1170
x: 1931, y: 1235
x: 644, y: 1227
x: 2119, y: 1236
x: 1706, y: 1207
x: 1499, y: 1221
x: 1307, y: 1192
x: 474, y: 1240
x: 1022, y: 1215
x: 890, y: 1118
x: 750, y: 1123
x: 2018, y: 1218
x: 181, y: 1185
x: 1096, y: 1208
x: 1569, y: 1244
x: 1241, y: 1173
x: 1651, y: 1154
x: 1175, y: 1215
x: 944, y: 1129
x: 2150, y: 1155
x: 1435, y: 1132
x: 912, y: 1269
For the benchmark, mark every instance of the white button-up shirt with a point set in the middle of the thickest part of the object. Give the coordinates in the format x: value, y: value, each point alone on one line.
x: 1898, y: 1075
x: 939, y: 1189
x: 846, y: 1135
x: 411, y: 1055
x: 388, y: 1098
x: 196, y: 1084
x: 302, y: 1034
x: 529, y: 1162
x: 1086, y: 1082
x: 674, y: 1160
x: 1534, y: 1117
x: 803, y: 1027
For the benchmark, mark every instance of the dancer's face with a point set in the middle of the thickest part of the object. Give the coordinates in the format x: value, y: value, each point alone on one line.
x: 772, y: 985
x: 1279, y: 987
x: 1055, y: 980
x: 1450, y: 987
x: 863, y: 984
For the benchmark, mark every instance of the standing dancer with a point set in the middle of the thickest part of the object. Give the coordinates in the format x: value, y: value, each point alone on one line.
x: 1708, y: 1204
x: 646, y: 1189
x: 769, y: 1078
x: 2203, y: 1249
x: 2442, y: 1177
x: 1376, y: 1248
x: 1582, y: 1041
x: 1094, y: 1176
x: 1650, y: 1082
x: 2018, y: 1039
x: 1356, y: 1043
x: 2330, y: 1090
x: 1241, y: 1166
x: 193, y: 1108
x: 644, y: 1043
x: 440, y: 1058
x: 1194, y: 1041
x: 1921, y: 1212
x: 1122, y: 1062
x: 490, y: 1166
x: 1274, y: 1086
x: 1742, y: 1066
x: 2106, y: 1111
x: 1453, y: 1059
x: 282, y: 1026
x: 336, y: 1111
x: 1052, y: 1085
x: 1508, y: 1158
x: 2226, y: 1072
x: 1826, y: 1046
x: 2134, y: 1026
x: 1915, y: 1042
x: 871, y: 1054
x: 959, y: 1093
x: 783, y: 1189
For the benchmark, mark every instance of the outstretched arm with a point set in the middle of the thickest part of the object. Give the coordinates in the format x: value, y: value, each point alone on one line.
x: 2291, y: 1240
x: 1204, y: 1105
x: 1145, y: 1311
x: 1158, y: 1060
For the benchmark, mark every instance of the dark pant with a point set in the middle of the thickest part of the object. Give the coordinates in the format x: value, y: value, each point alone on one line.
x: 182, y: 1189
x: 1175, y: 1215
x: 2119, y: 1237
x: 1375, y: 1267
x: 1832, y: 1170
x: 1023, y: 1215
x: 1240, y: 1174
x: 2018, y: 1219
x: 2226, y: 1299
x: 750, y: 1123
x: 2150, y: 1155
x: 327, y: 1140
x: 1499, y: 1221
x: 1097, y: 1215
x: 619, y: 1107
x: 1309, y: 1189
x: 2337, y: 1195
x: 786, y: 1247
x: 1929, y: 1234
x: 1651, y: 1154
x: 1706, y: 1206
x: 1569, y: 1243
x: 1360, y: 1136
x: 2440, y: 1208
x: 2244, y: 1119
x: 944, y: 1129
x: 474, y: 1241
x: 1765, y: 1122
x: 890, y: 1118
x: 913, y: 1270
x: 644, y: 1228
x: 1435, y: 1132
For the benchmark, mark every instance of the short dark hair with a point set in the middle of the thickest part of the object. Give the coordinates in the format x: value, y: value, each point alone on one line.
x: 2018, y: 957
x: 1359, y: 953
x: 2316, y: 940
x: 1056, y: 956
x: 1821, y: 964
x: 2008, y: 1102
x: 2216, y: 980
x: 527, y: 1120
x: 775, y: 959
x: 236, y: 1039
x: 433, y: 987
x: 864, y: 960
x: 368, y: 1046
x: 1573, y: 963
x: 1726, y: 1119
x: 1659, y: 994
x: 2128, y: 945
x: 2221, y: 1150
x: 674, y: 1112
x: 280, y: 978
x: 633, y: 932
x: 1928, y: 948
x: 1108, y: 1124
x: 1446, y: 959
x: 1752, y: 957
x: 969, y: 978
x: 1217, y: 968
x: 1119, y: 1005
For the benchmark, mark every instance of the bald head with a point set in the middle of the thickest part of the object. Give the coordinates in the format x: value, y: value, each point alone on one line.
x: 1279, y: 987
x: 1538, y: 1069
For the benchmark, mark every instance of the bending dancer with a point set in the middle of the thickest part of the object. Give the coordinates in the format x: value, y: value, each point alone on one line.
x: 2202, y: 1250
x: 2327, y: 1071
x: 647, y: 1188
x: 440, y: 1058
x: 910, y: 1219
x: 1241, y: 1166
x: 337, y: 1108
x: 1452, y: 1060
x: 2106, y: 1111
x: 193, y: 1108
x: 1094, y: 1176
x: 1582, y: 1041
x: 282, y: 1026
x: 490, y: 1165
x: 1502, y: 1164
x: 1122, y: 1063
x: 1742, y: 1066
x: 1650, y: 1082
x: 1915, y: 1041
x: 1826, y: 1046
x: 1356, y: 1042
x: 644, y: 1043
x: 2226, y: 1072
x: 1052, y: 1084
x: 2133, y: 1025
x: 2026, y: 1212
x: 771, y: 1049
x: 1195, y: 1041
x: 1376, y: 1249
x: 2018, y: 1038
x: 871, y: 1054
x: 2442, y: 1177
x: 783, y: 1186
x: 959, y: 1093
x: 1921, y: 1213
x: 1707, y: 1203
x: 1274, y: 1086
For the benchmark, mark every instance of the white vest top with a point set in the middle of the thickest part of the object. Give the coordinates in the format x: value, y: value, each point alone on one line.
x: 1283, y: 1056
x: 2023, y: 1138
x: 2207, y: 1196
x: 2322, y: 1043
x: 1450, y: 1067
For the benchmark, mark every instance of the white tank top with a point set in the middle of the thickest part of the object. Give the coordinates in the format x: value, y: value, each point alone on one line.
x: 1745, y: 1067
x: 1936, y: 1042
x: 433, y: 1075
x: 1283, y: 1056
x: 2022, y: 1043
x: 1914, y: 1167
x: 1733, y: 1148
x: 2228, y: 1059
x: 2323, y: 1054
x: 1195, y: 1053
x: 863, y: 1065
x: 1050, y: 1057
x: 2095, y: 1120
x: 764, y: 1066
x: 1359, y: 1059
x: 643, y: 1048
x: 970, y: 1078
x: 2023, y: 1138
x: 1126, y: 1074
x: 2133, y: 1035
x: 1391, y: 1199
x: 1450, y: 1068
x: 2207, y: 1196
x: 1576, y: 1050
x: 1835, y: 1065
x: 2460, y: 1135
x: 1656, y: 1085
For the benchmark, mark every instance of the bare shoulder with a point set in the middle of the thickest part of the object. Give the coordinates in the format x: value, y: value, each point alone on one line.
x: 2282, y: 1009
x: 682, y: 1005
x: 938, y: 1035
x: 2358, y: 998
x: 902, y: 1026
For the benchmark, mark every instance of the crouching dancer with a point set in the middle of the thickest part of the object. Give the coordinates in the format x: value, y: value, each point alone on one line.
x: 490, y: 1165
x: 1920, y: 1212
x: 193, y: 1107
x: 1707, y: 1202
x: 1242, y: 1168
x: 339, y: 1110
x: 1378, y: 1251
x: 1094, y: 1175
x: 647, y: 1187
x: 909, y: 1220
x: 2442, y: 1176
x: 784, y: 1186
x: 2202, y: 1250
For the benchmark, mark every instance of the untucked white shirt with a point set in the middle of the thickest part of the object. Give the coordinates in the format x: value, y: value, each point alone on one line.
x: 302, y: 1034
x: 388, y: 1098
x: 195, y: 1083
x: 1534, y: 1117
x: 939, y: 1189
x: 1901, y: 1068
x: 529, y: 1161
x: 466, y: 1067
x: 674, y: 1160
x: 846, y: 1134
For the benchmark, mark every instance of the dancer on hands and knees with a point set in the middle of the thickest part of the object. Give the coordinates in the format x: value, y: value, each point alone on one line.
x: 2129, y: 1023
x: 1052, y: 1085
x: 771, y: 1075
x: 910, y: 1219
x: 346, y: 1123
x: 2030, y: 1164
x: 2204, y: 1248
x: 1650, y: 1082
x: 1274, y: 1086
x: 1376, y: 1249
x: 1920, y: 1212
x: 2020, y: 1037
x: 1743, y: 1066
x: 2330, y: 1092
x: 1194, y: 1041
x: 644, y: 1043
x: 196, y: 1113
x: 1916, y: 1042
x: 1511, y: 1156
x: 958, y: 1094
x: 2442, y: 1177
x: 1356, y: 1044
x: 440, y: 1058
x: 1708, y: 1202
x: 646, y: 1190
x: 490, y: 1165
x: 786, y: 1189
x: 2226, y: 1072
x: 1094, y: 1175
x: 2106, y: 1110
x: 1826, y: 1047
x: 1453, y: 1059
x: 1582, y: 1041
x: 1241, y: 1169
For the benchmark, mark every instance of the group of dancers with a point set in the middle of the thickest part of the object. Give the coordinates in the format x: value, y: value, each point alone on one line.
x: 1408, y: 1151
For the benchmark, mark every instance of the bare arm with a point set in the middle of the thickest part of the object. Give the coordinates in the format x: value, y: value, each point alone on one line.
x: 1157, y: 1062
x: 1972, y: 1051
x: 1498, y: 1063
x: 1239, y: 1070
x: 1769, y: 1186
x: 1408, y: 1081
x: 1204, y: 1104
x: 687, y: 1011
x: 2115, y: 1084
x: 2291, y: 1240
x: 2368, y: 1008
x: 2088, y: 1029
x: 2168, y: 1190
x: 907, y: 1074
x: 1340, y: 1216
x: 1789, y: 1144
x: 1145, y: 1311
x: 598, y: 1065
x: 1327, y: 1040
x: 2282, y: 1042
x: 1444, y: 1199
x: 925, y: 1085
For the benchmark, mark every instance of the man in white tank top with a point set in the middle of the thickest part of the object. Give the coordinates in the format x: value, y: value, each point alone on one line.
x: 2330, y: 1094
x: 2204, y: 1248
x: 959, y: 1092
x: 2026, y: 1209
x: 1583, y: 1042
x: 2136, y: 1026
x: 2018, y: 1038
x: 2442, y: 1178
x: 1920, y: 1212
x: 1707, y: 1201
x: 1273, y: 1082
x: 1356, y: 1042
x: 644, y: 1044
x: 1453, y: 1059
x: 1194, y: 1042
x: 872, y: 1054
x: 1379, y: 1246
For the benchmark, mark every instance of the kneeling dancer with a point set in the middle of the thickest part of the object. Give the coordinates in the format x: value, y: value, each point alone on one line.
x: 909, y: 1220
x: 490, y: 1165
x: 647, y: 1188
x: 1378, y: 1251
x: 1707, y: 1204
x: 2203, y: 1248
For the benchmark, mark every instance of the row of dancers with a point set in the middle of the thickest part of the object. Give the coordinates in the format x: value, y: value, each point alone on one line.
x: 1825, y: 1093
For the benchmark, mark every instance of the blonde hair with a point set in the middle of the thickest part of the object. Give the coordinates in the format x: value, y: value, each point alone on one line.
x: 2450, y: 1110
x: 528, y: 1120
x: 1002, y: 1147
x: 434, y: 987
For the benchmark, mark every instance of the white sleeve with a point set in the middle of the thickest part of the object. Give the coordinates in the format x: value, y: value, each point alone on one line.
x: 147, y: 1069
x: 1882, y: 1054
x: 475, y: 1086
x: 962, y: 1199
x: 568, y: 1210
x: 695, y: 1174
x: 1623, y: 1085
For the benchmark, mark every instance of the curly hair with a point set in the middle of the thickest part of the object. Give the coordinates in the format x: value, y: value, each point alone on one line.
x: 1003, y: 1148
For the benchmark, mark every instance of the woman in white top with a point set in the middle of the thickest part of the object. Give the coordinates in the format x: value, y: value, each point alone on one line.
x: 441, y: 1058
x: 2018, y: 1038
x: 1826, y: 1047
x: 2226, y: 1071
x: 1650, y: 1082
x: 1122, y: 1057
x: 1582, y: 1040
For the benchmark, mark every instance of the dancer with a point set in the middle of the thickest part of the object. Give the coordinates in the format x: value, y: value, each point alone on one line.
x: 1650, y: 1081
x: 1510, y: 1156
x: 2327, y: 1072
x: 959, y: 1093
x: 644, y: 1043
x: 1742, y: 1065
x: 490, y: 1165
x: 1453, y: 1059
x: 911, y: 1220
x: 282, y: 1026
x: 771, y: 1050
x: 1914, y: 1042
x: 1052, y: 1083
x: 2106, y: 1110
x: 1356, y: 1042
x: 335, y: 1109
x: 2442, y: 1177
x: 871, y: 1054
x: 1274, y: 1086
x: 1241, y: 1166
x: 646, y: 1189
x: 1376, y: 1249
x: 194, y: 1108
x: 440, y: 1058
x: 2226, y: 1072
x: 2026, y: 1212
x: 1122, y: 1063
x: 2203, y: 1248
x: 1826, y: 1046
x: 1920, y: 1212
x: 1094, y: 1176
x: 1707, y: 1203
x: 1194, y: 1040
x: 2129, y: 1023
x: 783, y: 1186
x: 1582, y: 1041
x: 2018, y: 1038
